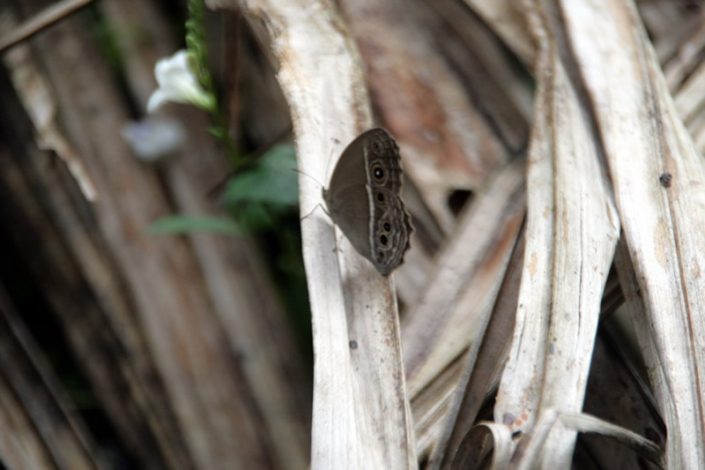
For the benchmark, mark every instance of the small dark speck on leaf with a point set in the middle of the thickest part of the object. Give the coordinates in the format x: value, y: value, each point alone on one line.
x: 665, y: 180
x: 353, y: 344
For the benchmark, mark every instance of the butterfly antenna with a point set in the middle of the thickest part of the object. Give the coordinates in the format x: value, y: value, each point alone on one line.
x: 319, y: 183
x: 327, y: 167
x: 308, y: 176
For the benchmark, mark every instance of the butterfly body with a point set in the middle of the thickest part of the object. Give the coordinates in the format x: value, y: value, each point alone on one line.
x: 364, y: 200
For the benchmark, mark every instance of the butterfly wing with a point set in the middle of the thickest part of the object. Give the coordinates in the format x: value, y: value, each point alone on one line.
x: 350, y: 211
x: 390, y: 232
x: 364, y: 199
x: 390, y: 226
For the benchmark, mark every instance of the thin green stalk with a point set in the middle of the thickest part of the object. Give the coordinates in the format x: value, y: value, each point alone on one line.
x: 197, y: 47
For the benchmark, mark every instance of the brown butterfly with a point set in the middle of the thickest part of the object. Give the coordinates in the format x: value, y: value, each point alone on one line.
x: 363, y: 199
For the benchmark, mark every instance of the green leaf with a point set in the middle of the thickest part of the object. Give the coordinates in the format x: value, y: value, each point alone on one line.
x: 177, y: 224
x: 254, y: 217
x: 272, y: 181
x: 217, y: 132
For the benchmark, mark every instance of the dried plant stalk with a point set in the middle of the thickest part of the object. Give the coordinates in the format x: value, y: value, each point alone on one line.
x: 455, y: 307
x: 44, y: 200
x: 155, y: 298
x: 243, y: 298
x: 451, y: 319
x: 37, y: 428
x: 506, y: 17
x: 482, y: 373
x: 361, y: 416
x: 572, y: 231
x: 659, y: 186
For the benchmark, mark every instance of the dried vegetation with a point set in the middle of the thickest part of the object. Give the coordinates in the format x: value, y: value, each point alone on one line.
x: 551, y: 311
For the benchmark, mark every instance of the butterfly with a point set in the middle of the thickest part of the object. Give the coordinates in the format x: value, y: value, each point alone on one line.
x: 363, y: 199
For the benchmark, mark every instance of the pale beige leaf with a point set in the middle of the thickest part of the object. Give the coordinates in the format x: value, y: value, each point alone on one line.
x: 361, y: 416
x: 572, y: 231
x: 659, y: 186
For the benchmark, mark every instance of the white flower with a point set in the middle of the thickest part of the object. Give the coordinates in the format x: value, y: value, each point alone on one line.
x: 178, y: 83
x: 154, y: 138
